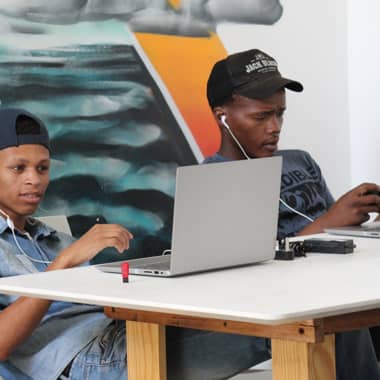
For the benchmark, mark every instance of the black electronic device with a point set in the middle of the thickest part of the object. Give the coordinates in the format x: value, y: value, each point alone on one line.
x: 284, y: 251
x: 341, y: 246
x: 284, y: 255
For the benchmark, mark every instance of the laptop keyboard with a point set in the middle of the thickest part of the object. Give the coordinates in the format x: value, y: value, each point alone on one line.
x: 160, y: 265
x: 374, y: 226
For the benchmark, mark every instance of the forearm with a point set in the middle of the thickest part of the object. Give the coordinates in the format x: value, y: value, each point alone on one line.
x: 65, y: 259
x: 316, y: 227
x: 100, y: 236
x: 18, y: 321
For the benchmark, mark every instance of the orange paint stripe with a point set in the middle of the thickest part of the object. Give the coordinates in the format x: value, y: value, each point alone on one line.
x: 175, y: 3
x: 184, y: 64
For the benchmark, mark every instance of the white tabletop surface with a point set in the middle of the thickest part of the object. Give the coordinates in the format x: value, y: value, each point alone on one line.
x: 273, y: 292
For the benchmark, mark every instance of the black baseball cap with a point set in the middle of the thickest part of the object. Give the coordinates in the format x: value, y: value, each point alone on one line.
x: 251, y: 73
x: 9, y: 134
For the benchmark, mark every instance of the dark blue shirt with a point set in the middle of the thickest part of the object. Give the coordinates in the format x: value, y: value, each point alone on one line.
x: 302, y: 188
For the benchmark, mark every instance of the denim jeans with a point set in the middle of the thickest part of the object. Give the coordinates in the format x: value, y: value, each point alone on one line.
x: 203, y: 355
x: 103, y: 358
x: 192, y: 355
x: 10, y: 372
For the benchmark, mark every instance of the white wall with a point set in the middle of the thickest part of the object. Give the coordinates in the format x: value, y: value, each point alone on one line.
x: 364, y: 98
x: 310, y: 44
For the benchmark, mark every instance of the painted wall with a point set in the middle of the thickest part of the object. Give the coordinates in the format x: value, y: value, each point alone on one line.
x: 364, y: 79
x: 332, y: 48
x: 310, y: 44
x: 121, y: 87
x: 78, y: 66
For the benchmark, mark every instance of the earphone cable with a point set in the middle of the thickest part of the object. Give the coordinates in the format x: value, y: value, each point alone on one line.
x: 23, y: 252
x: 223, y: 120
x: 12, y: 228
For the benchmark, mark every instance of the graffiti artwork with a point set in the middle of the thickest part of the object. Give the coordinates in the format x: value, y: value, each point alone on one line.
x: 119, y: 85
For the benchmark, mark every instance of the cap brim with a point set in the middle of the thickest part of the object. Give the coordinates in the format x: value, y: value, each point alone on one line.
x: 267, y: 87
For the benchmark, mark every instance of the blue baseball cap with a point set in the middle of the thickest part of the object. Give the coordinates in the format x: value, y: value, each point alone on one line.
x: 9, y: 136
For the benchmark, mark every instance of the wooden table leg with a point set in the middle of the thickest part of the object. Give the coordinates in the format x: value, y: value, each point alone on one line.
x: 146, y: 351
x: 293, y: 360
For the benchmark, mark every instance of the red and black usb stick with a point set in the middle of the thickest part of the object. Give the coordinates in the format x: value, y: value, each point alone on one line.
x: 125, y: 272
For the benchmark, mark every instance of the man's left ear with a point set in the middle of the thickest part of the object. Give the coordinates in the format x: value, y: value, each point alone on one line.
x: 219, y: 112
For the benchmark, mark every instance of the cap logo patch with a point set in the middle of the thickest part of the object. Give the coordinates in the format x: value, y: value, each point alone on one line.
x: 261, y: 65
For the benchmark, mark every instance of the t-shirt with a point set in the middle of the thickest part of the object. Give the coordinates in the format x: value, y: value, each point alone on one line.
x: 302, y: 188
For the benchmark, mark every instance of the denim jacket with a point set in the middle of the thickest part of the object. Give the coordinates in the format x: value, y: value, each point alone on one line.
x: 67, y: 327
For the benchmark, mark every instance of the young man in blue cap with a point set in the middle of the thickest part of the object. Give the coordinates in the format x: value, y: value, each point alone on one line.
x: 46, y: 340
x: 246, y: 93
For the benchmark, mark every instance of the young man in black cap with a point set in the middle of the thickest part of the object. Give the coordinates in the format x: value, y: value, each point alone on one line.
x: 246, y: 93
x: 45, y: 340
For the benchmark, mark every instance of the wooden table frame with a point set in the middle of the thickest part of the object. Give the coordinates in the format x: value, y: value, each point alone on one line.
x: 300, y: 350
x: 339, y: 293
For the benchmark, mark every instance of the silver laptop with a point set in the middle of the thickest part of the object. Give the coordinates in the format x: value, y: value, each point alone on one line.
x: 225, y: 215
x: 365, y: 230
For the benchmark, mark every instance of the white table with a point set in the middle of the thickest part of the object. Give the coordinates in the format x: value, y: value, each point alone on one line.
x: 300, y: 304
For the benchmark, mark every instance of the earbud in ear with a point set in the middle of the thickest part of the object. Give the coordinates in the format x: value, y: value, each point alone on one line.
x: 223, y: 118
x: 224, y: 122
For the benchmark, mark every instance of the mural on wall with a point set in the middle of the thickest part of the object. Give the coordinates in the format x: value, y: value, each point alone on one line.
x: 120, y: 85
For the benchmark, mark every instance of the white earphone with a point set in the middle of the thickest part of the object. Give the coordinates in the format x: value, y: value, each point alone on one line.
x: 8, y: 220
x: 11, y: 225
x: 224, y: 122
